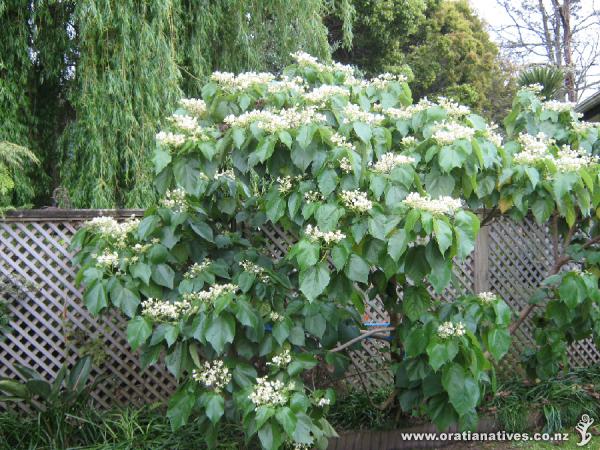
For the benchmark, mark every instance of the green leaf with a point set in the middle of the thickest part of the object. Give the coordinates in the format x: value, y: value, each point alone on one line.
x: 498, y: 342
x: 139, y: 330
x: 220, y: 331
x: 162, y: 159
x: 203, y: 230
x: 441, y: 352
x: 397, y: 244
x: 246, y: 314
x: 443, y: 234
x: 307, y: 253
x: 125, y: 299
x: 327, y: 181
x: 363, y: 131
x: 315, y: 325
x: 141, y: 271
x: 357, y: 269
x: 462, y: 389
x: 572, y: 290
x: 415, y: 302
x: 287, y: 419
x: 270, y: 436
x: 275, y: 206
x: 187, y: 175
x: 327, y: 216
x: 466, y: 228
x: 314, y: 280
x: 415, y: 342
x: 503, y: 313
x: 180, y: 407
x: 215, y: 407
x: 542, y: 210
x: 281, y: 330
x: 94, y: 297
x: 163, y: 275
x: 450, y: 157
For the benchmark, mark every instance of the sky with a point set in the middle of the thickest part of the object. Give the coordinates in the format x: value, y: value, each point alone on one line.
x: 495, y: 16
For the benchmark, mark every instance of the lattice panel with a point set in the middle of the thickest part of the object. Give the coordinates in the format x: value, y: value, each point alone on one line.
x: 51, y: 324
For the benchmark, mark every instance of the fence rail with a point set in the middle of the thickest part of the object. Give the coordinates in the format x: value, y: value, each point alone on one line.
x: 51, y: 325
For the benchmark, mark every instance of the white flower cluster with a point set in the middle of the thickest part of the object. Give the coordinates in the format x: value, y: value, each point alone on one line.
x: 227, y: 173
x: 107, y: 259
x: 189, y: 124
x: 486, y: 297
x: 323, y: 93
x: 382, y: 81
x: 353, y: 113
x: 287, y: 84
x: 536, y: 88
x: 356, y: 201
x: 287, y: 183
x: 445, y: 133
x: 554, y: 105
x: 389, y: 161
x: 313, y: 196
x: 281, y: 360
x: 214, y: 374
x: 194, y: 106
x: 108, y: 227
x: 441, y: 205
x: 175, y: 200
x: 241, y: 82
x: 275, y: 316
x: 408, y: 140
x: 299, y: 446
x: 534, y: 149
x: 169, y: 139
x: 257, y: 270
x: 273, y: 121
x: 340, y: 141
x: 271, y: 393
x: 493, y: 136
x: 323, y: 402
x: 328, y: 237
x: 453, y: 108
x: 419, y: 240
x: 164, y: 310
x: 571, y: 160
x: 583, y: 127
x: 303, y: 59
x: 345, y: 165
x: 448, y: 329
x: 196, y: 269
x: 212, y: 294
x: 409, y: 111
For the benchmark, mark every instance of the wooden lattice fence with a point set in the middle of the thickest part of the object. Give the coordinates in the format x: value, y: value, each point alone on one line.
x: 51, y: 324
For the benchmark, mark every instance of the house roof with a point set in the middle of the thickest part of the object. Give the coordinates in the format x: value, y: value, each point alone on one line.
x: 589, y: 103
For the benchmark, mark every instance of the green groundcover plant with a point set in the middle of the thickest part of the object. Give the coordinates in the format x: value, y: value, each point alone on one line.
x: 382, y: 197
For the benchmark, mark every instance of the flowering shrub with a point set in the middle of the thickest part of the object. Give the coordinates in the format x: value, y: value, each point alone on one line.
x: 381, y: 195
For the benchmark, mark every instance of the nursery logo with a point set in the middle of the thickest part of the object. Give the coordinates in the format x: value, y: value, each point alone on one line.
x: 582, y: 427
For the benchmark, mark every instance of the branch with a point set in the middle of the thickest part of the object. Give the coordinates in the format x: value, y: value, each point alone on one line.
x: 353, y: 341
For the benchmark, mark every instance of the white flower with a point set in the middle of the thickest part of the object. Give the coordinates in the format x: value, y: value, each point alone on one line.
x: 287, y: 84
x: 213, y: 375
x: 486, y: 297
x: 175, y: 200
x: 271, y: 393
x: 212, y: 294
x: 583, y: 127
x: 353, y: 113
x: 340, y: 141
x: 194, y: 106
x: 446, y: 133
x: 169, y: 139
x: 448, y: 329
x: 571, y: 160
x: 273, y: 122
x: 442, y: 205
x: 313, y: 196
x: 452, y: 108
x: 275, y: 316
x: 107, y: 259
x: 328, y: 237
x: 285, y: 184
x: 382, y: 81
x: 345, y: 165
x: 389, y: 161
x: 324, y: 92
x: 534, y: 149
x: 108, y: 227
x: 281, y: 360
x: 196, y: 269
x: 536, y: 88
x: 409, y: 111
x: 303, y: 59
x: 420, y: 241
x: 228, y: 173
x: 241, y: 82
x: 408, y: 140
x: 163, y: 310
x: 494, y: 137
x: 356, y: 201
x: 255, y: 269
x: 323, y: 402
x: 553, y: 105
x: 188, y: 124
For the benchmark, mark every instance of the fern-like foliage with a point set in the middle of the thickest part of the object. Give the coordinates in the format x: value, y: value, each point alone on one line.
x: 551, y: 78
x: 13, y: 157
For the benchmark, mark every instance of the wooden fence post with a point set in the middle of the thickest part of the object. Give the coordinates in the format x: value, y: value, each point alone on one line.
x: 481, y: 262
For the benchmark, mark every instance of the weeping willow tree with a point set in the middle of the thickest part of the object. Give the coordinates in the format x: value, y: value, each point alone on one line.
x: 16, y: 119
x: 136, y: 59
